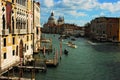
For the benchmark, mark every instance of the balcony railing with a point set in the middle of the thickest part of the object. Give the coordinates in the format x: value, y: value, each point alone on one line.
x: 21, y: 6
x: 15, y: 31
x: 30, y: 31
x: 20, y: 31
x: 5, y: 32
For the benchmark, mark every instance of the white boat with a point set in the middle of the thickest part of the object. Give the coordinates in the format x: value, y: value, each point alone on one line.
x: 46, y: 40
x: 70, y: 44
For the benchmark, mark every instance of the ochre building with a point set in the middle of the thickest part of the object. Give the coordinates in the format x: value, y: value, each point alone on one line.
x: 16, y: 32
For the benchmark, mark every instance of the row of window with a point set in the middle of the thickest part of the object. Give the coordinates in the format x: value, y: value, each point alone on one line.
x: 13, y: 52
x: 4, y: 41
x: 13, y: 40
x: 22, y: 2
x: 20, y: 24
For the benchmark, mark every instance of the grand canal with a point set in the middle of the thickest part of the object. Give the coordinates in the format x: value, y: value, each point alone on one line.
x: 90, y: 61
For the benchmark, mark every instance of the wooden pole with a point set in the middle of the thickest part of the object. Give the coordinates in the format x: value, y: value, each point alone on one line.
x: 8, y: 73
x: 60, y: 49
x: 33, y: 74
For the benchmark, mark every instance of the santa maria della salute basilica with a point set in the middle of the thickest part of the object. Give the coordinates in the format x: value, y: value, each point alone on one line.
x: 53, y: 25
x: 58, y: 26
x: 53, y: 21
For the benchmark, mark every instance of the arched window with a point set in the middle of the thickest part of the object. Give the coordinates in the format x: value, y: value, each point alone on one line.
x: 37, y: 31
x: 13, y: 22
x: 21, y: 22
x: 3, y: 18
x: 12, y: 1
x: 16, y: 23
x: 17, y: 51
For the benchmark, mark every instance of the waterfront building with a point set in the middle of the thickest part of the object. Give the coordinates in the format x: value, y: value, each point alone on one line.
x: 68, y: 29
x: 72, y: 29
x: 113, y: 30
x: 36, y: 25
x: 87, y: 30
x: 79, y: 31
x: 17, y: 31
x: 105, y: 29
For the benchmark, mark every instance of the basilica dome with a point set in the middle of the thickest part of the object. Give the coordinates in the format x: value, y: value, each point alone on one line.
x: 51, y: 19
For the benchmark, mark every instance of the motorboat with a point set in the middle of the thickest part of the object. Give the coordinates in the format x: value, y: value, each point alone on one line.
x: 46, y: 40
x: 73, y: 46
x: 70, y: 44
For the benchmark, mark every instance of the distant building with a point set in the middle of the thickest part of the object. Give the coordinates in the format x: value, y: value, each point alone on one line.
x: 87, y: 30
x: 106, y: 29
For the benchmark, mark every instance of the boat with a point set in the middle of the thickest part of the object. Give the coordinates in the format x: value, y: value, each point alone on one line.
x: 65, y: 52
x: 73, y: 39
x: 73, y: 46
x: 70, y: 44
x: 53, y: 61
x: 45, y: 40
x: 63, y: 37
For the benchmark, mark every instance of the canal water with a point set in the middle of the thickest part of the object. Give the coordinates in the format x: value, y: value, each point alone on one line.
x: 89, y: 61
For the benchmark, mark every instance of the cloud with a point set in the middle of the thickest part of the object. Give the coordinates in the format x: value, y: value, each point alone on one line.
x: 88, y: 5
x: 80, y: 4
x: 75, y: 13
x: 49, y: 3
x: 84, y: 10
x: 112, y: 7
x: 102, y: 14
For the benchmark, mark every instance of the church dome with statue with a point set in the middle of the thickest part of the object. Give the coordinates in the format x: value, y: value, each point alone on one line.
x: 51, y: 19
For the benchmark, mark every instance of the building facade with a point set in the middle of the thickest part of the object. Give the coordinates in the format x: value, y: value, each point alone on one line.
x: 87, y: 30
x: 37, y: 29
x: 105, y: 29
x: 16, y: 32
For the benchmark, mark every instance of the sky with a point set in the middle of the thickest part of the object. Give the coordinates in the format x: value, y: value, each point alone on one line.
x: 79, y: 12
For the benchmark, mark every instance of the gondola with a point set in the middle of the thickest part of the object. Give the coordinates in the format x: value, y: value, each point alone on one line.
x: 65, y: 52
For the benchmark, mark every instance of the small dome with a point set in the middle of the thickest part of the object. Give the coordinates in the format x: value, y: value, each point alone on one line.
x: 61, y: 19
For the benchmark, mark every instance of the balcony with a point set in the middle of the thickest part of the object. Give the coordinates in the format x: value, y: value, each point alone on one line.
x: 15, y: 31
x: 5, y: 32
x: 30, y: 31
x: 21, y: 6
x: 20, y: 31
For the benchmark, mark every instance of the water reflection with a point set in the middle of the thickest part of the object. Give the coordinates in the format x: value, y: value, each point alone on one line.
x: 107, y: 47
